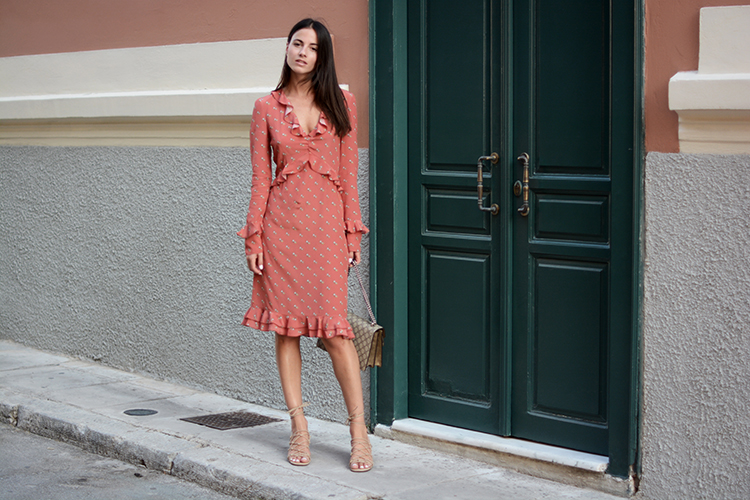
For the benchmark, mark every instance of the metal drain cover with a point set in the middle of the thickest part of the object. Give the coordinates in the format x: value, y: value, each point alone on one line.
x: 231, y: 420
x: 140, y: 412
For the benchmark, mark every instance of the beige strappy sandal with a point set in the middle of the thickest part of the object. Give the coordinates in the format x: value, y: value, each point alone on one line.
x: 361, y: 448
x: 299, y: 443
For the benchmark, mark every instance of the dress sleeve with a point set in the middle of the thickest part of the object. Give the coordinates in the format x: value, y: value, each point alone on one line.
x: 348, y: 173
x: 260, y: 156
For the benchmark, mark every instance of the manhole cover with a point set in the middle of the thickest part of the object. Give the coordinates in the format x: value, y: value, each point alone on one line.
x: 140, y: 412
x: 231, y: 420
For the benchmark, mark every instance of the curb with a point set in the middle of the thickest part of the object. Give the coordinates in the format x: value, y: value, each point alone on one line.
x: 212, y: 467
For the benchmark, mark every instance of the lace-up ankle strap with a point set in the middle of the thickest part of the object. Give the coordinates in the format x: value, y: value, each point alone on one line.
x: 355, y: 416
x: 297, y: 410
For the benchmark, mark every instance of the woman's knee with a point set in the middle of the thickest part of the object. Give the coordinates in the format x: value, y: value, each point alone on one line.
x: 285, y: 342
x: 336, y: 344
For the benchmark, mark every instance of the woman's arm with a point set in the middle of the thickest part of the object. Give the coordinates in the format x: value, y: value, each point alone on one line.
x: 348, y: 166
x: 260, y: 154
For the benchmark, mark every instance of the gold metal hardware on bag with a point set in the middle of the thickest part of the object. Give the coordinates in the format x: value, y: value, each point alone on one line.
x: 523, y: 187
x: 494, y: 158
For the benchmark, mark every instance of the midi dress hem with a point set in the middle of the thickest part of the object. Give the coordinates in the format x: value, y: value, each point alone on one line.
x: 291, y: 326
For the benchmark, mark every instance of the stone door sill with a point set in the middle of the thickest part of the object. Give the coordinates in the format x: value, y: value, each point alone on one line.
x: 539, y: 460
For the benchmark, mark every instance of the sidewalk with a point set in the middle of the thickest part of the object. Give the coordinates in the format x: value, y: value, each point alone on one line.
x: 83, y: 403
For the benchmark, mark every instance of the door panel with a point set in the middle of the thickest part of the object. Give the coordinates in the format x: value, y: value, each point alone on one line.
x: 571, y: 217
x: 456, y: 72
x: 570, y: 83
x: 454, y: 369
x: 562, y: 249
x: 570, y: 338
x: 455, y: 211
x: 460, y: 313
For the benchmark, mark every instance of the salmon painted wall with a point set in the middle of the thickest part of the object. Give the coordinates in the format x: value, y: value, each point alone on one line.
x: 671, y: 46
x: 51, y: 26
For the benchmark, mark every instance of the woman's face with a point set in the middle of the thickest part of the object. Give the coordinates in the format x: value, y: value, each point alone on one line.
x: 302, y: 51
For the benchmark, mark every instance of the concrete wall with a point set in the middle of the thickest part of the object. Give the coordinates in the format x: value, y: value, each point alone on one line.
x: 696, y: 337
x: 128, y: 256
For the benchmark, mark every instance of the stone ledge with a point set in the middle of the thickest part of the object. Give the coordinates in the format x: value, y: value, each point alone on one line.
x: 548, y: 462
x: 179, y: 95
x: 713, y: 103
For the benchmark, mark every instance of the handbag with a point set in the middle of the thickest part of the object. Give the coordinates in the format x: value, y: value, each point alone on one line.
x: 368, y: 334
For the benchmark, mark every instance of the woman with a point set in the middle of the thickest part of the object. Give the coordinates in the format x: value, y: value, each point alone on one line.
x: 304, y: 228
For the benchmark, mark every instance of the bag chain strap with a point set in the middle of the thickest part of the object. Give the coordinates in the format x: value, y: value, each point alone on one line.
x: 373, y: 322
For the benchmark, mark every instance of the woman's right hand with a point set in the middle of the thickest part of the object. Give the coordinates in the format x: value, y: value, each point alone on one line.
x: 255, y: 262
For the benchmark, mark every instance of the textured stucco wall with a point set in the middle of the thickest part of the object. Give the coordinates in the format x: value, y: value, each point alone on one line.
x: 128, y: 256
x: 695, y: 434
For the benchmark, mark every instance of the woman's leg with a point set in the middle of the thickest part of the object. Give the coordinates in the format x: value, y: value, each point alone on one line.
x: 289, y: 363
x: 346, y: 368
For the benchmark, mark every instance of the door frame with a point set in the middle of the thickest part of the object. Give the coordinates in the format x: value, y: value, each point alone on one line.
x: 389, y: 224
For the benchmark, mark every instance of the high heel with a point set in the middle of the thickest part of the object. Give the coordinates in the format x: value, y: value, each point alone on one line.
x: 299, y: 442
x: 361, y: 448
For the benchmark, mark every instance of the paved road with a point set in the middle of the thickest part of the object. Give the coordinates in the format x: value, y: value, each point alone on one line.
x: 36, y: 468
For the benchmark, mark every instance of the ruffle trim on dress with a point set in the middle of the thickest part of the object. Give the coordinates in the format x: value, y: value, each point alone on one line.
x: 249, y: 230
x: 298, y: 165
x: 355, y: 226
x: 294, y: 326
x: 316, y: 164
x: 291, y: 118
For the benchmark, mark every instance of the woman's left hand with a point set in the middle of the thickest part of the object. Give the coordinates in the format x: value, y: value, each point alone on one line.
x: 354, y: 258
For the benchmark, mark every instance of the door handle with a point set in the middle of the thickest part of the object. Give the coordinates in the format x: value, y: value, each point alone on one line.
x: 522, y: 187
x: 494, y: 158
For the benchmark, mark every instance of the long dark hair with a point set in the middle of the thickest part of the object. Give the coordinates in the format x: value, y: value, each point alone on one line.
x: 323, y: 81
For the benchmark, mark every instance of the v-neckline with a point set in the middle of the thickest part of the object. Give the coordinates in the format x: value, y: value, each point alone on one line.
x: 302, y: 129
x: 299, y: 122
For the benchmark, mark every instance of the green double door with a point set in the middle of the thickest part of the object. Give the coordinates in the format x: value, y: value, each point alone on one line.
x: 516, y: 317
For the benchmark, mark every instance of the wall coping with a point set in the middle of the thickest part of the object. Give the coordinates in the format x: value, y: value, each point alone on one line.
x: 174, y: 95
x: 713, y: 103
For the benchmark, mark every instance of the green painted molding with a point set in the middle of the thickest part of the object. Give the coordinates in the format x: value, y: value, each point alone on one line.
x: 388, y: 186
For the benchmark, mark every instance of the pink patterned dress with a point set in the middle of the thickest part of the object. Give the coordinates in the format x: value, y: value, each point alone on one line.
x: 305, y: 221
